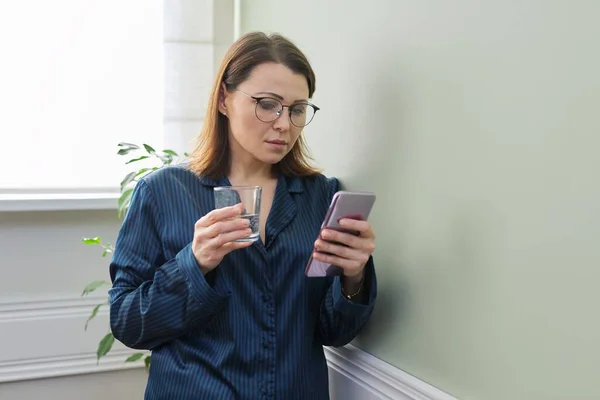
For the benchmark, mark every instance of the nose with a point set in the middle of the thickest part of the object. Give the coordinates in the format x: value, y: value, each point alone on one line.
x: 283, y: 122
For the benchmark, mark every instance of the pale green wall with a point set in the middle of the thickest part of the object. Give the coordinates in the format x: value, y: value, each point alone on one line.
x: 477, y: 124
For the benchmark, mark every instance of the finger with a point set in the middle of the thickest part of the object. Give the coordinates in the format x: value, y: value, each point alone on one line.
x: 227, y: 237
x: 357, y: 225
x: 364, y: 243
x: 220, y: 214
x: 341, y: 251
x: 231, y: 246
x: 345, y: 264
x: 348, y: 239
x: 225, y: 226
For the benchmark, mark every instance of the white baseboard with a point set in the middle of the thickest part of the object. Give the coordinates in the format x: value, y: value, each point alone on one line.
x: 357, y: 375
x: 51, y: 367
x: 42, y: 338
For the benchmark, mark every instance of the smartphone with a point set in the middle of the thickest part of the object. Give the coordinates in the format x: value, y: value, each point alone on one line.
x: 353, y: 205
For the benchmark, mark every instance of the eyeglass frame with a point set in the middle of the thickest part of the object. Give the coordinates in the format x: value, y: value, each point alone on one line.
x: 290, y: 107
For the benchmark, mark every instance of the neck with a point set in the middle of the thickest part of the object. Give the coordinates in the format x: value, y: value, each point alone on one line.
x: 244, y: 169
x: 241, y: 173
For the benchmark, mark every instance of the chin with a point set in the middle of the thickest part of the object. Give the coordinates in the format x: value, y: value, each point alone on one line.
x: 271, y: 160
x: 272, y: 157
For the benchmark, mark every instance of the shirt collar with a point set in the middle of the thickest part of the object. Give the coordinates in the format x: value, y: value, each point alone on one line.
x: 214, y: 182
x: 293, y: 183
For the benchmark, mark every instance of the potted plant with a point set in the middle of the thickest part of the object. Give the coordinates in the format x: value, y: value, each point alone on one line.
x: 136, y: 154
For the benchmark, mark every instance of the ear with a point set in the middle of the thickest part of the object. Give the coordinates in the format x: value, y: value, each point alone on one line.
x: 223, y: 94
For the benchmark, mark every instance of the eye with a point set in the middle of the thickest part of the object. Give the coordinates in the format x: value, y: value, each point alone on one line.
x: 299, y: 109
x: 269, y: 105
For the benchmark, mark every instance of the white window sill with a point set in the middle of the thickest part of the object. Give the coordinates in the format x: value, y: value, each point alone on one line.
x: 19, y: 202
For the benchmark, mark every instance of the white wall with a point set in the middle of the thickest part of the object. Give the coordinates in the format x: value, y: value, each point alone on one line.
x: 44, y: 266
x: 476, y: 124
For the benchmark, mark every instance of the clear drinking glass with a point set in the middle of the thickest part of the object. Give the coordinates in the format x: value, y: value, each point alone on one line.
x: 249, y: 196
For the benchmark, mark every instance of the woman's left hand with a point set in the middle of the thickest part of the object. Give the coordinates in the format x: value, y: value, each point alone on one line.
x: 353, y: 252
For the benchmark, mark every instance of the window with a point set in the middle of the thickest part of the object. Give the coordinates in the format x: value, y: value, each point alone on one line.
x: 77, y: 77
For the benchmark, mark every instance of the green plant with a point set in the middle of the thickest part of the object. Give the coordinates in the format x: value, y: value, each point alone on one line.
x: 154, y: 160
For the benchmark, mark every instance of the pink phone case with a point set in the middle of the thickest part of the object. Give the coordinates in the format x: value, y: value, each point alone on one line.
x: 354, y: 205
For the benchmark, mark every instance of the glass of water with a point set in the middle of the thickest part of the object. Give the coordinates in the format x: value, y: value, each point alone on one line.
x: 249, y: 196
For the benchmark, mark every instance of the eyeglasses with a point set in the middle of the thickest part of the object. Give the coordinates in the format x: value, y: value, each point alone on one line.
x: 269, y: 109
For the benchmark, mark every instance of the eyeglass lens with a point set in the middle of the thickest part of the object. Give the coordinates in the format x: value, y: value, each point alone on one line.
x: 268, y: 110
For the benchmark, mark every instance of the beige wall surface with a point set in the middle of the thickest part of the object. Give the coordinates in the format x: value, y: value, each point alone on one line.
x: 476, y: 124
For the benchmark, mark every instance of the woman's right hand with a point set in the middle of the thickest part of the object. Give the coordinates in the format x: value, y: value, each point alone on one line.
x: 215, y: 235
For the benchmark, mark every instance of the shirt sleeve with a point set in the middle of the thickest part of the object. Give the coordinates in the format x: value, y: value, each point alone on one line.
x: 153, y: 300
x: 341, y: 319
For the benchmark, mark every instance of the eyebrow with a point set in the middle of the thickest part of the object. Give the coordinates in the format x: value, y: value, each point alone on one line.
x: 277, y: 96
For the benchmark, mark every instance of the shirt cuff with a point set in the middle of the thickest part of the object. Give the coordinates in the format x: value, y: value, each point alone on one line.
x: 349, y: 307
x: 208, y: 297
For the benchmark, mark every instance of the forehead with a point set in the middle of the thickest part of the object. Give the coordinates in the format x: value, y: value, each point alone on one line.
x: 279, y: 79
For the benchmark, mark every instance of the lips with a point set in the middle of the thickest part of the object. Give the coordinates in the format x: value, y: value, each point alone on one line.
x: 277, y: 142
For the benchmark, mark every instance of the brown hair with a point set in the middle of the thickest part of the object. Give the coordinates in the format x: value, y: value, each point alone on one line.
x: 211, y: 158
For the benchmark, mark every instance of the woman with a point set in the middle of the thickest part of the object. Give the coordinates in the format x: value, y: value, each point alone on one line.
x: 231, y: 320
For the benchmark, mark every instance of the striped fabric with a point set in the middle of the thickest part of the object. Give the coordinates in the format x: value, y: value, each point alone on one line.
x: 253, y: 328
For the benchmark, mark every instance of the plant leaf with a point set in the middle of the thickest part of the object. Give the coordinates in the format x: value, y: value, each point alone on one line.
x: 128, y: 179
x: 124, y: 201
x: 124, y: 152
x: 129, y: 145
x: 134, y: 357
x: 95, y: 240
x: 104, y: 346
x: 149, y: 149
x: 93, y: 286
x: 166, y: 159
x: 93, y: 315
x: 147, y: 362
x: 107, y: 249
x: 141, y: 171
x: 136, y: 159
x: 186, y: 154
x: 171, y: 153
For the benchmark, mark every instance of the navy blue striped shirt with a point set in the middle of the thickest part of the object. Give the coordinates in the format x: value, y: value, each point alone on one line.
x: 255, y: 326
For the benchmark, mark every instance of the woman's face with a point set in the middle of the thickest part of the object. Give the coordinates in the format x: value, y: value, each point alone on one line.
x: 270, y: 141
